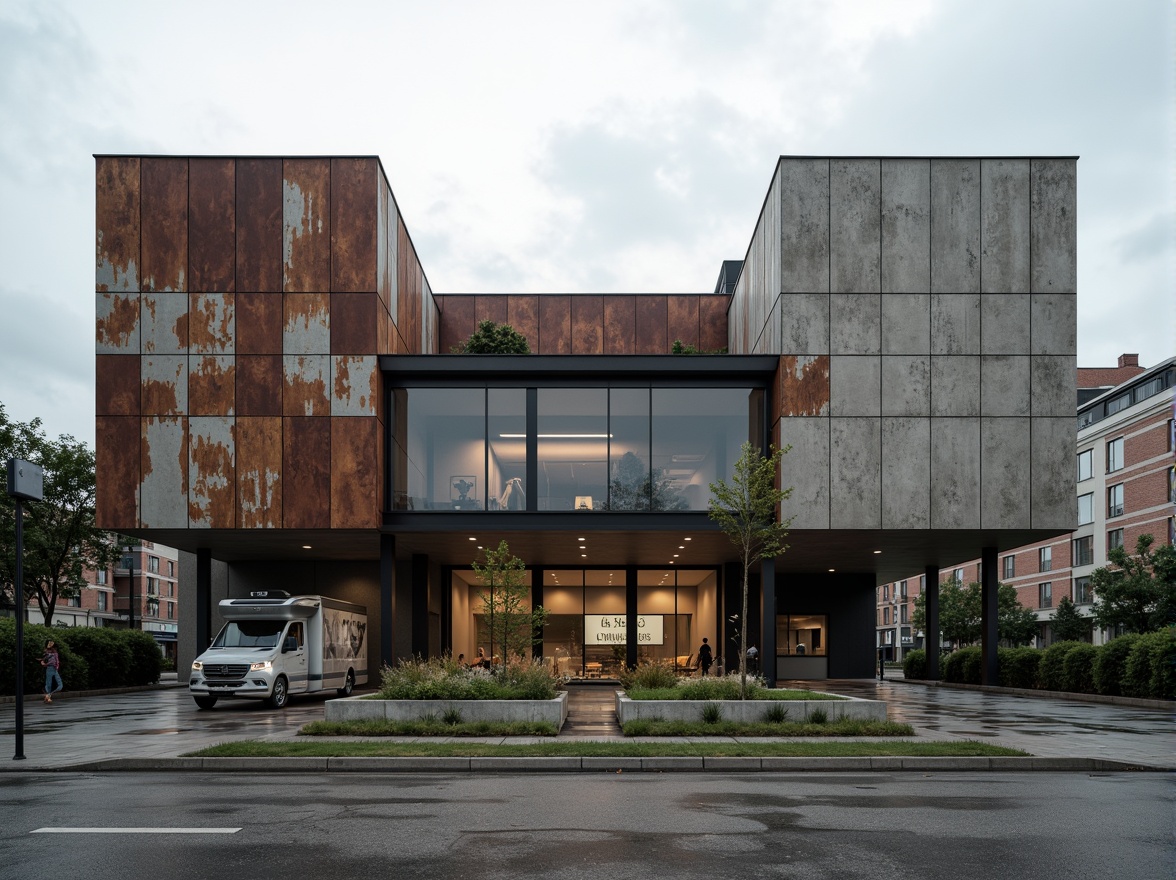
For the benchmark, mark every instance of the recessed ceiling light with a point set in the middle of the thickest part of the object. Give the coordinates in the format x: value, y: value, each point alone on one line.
x: 305, y: 546
x: 676, y: 555
x: 681, y: 546
x: 473, y: 539
x: 876, y: 552
x: 832, y: 569
x: 687, y: 539
x: 583, y: 555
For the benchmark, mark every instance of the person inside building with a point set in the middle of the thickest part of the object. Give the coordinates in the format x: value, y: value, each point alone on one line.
x: 800, y: 647
x: 705, y: 657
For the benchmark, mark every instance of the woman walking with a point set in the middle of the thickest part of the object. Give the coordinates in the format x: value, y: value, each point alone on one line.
x: 52, y: 663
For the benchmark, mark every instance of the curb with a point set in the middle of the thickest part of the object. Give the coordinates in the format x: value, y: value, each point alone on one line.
x: 1131, y: 702
x: 35, y: 696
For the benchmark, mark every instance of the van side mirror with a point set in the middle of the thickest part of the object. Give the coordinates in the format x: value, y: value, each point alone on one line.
x: 291, y: 644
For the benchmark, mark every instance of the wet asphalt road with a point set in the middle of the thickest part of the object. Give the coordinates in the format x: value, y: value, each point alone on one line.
x: 1036, y: 826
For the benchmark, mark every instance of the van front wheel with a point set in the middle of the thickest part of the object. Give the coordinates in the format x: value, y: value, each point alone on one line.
x: 348, y: 685
x: 280, y: 695
x: 205, y: 702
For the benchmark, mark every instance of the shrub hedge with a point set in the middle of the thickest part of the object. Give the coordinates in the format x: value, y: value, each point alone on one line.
x: 1149, y: 669
x: 1017, y: 667
x: 1110, y: 664
x: 91, y: 657
x: 1051, y: 673
x: 963, y: 666
x: 1078, y: 669
x: 914, y: 664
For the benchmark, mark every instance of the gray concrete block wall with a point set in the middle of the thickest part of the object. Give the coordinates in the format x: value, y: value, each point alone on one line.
x: 1004, y: 472
x: 809, y: 504
x: 855, y: 473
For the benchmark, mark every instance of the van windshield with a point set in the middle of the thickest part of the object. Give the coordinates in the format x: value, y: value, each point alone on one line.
x: 249, y: 634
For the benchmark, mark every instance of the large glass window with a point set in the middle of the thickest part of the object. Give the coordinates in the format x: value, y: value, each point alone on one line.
x: 802, y: 634
x: 697, y: 437
x: 1084, y: 550
x: 1115, y: 454
x: 506, y: 461
x: 1085, y: 508
x: 1085, y: 464
x: 1115, y: 500
x: 446, y: 449
x: 573, y: 448
x: 628, y: 466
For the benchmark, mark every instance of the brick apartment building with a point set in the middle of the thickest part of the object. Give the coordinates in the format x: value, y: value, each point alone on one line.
x: 1126, y: 487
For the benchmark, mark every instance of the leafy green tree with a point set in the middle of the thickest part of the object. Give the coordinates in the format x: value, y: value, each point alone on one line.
x: 60, y: 538
x: 1068, y: 623
x: 1016, y: 625
x: 1137, y: 591
x: 513, y: 625
x: 491, y: 338
x: 748, y: 511
x: 960, y: 614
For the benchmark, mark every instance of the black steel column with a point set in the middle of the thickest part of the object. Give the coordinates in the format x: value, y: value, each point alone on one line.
x: 631, y: 616
x: 767, y: 646
x: 420, y: 605
x: 387, y: 598
x: 19, y: 610
x: 931, y: 624
x: 203, y: 599
x: 989, y: 673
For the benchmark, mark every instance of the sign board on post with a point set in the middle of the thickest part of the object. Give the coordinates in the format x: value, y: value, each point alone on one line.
x: 609, y: 629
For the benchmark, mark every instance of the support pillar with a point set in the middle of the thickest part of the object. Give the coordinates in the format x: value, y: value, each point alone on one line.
x: 931, y: 625
x: 203, y: 599
x: 989, y: 672
x: 420, y: 605
x: 767, y: 645
x: 387, y: 598
x: 631, y: 616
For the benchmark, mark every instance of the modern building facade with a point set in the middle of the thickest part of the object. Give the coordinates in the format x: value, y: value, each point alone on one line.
x: 275, y: 398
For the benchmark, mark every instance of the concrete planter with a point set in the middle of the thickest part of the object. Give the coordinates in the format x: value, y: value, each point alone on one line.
x: 746, y: 711
x: 358, y: 709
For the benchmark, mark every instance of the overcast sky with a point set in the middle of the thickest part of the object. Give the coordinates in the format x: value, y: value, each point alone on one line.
x: 558, y: 146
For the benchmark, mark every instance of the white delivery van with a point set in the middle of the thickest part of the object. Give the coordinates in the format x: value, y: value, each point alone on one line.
x: 275, y: 645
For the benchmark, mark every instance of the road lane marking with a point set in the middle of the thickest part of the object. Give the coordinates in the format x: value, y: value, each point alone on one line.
x: 135, y: 831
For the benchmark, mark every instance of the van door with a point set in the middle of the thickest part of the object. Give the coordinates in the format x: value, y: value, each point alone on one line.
x: 294, y: 657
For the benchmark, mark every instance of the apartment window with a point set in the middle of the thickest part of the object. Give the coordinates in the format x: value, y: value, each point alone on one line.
x: 903, y: 613
x: 922, y: 582
x: 171, y: 610
x: 1009, y: 567
x: 1045, y: 559
x: 102, y: 600
x: 1146, y: 389
x: 152, y: 586
x: 1045, y: 595
x: 171, y: 568
x: 153, y: 564
x: 1085, y: 465
x: 100, y: 577
x: 886, y: 593
x: 958, y: 575
x: 1115, y: 404
x: 1115, y: 454
x: 886, y: 615
x: 1082, y: 591
x: 903, y: 587
x: 1172, y: 485
x: 74, y: 601
x: 1084, y: 550
x: 153, y: 607
x: 1086, y: 508
x: 1171, y: 434
x: 1114, y: 539
x: 171, y: 590
x: 1115, y: 500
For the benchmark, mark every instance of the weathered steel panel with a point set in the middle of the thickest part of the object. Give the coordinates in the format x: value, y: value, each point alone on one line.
x: 355, y: 321
x: 212, y: 224
x: 712, y: 322
x: 354, y: 385
x: 211, y: 325
x: 306, y: 378
x: 804, y: 385
x: 407, y: 273
x: 116, y: 449
x: 385, y: 242
x: 308, y: 324
x: 555, y: 325
x: 117, y: 224
x: 212, y: 498
x: 306, y: 463
x: 165, y: 224
x: 491, y: 307
x: 620, y: 324
x: 164, y: 385
x: 306, y: 224
x: 259, y: 385
x: 354, y: 225
x: 212, y: 385
x: 522, y: 313
x: 116, y: 325
x: 163, y: 488
x: 165, y: 323
x: 458, y: 321
x: 651, y: 326
x: 260, y: 322
x: 116, y: 385
x: 259, y: 225
x: 355, y: 474
x: 682, y: 318
x: 259, y: 473
x: 587, y: 325
x: 385, y: 331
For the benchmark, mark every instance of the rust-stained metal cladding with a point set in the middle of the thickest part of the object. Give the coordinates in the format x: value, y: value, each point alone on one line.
x: 163, y: 486
x: 117, y: 385
x: 522, y: 313
x: 164, y: 390
x: 212, y: 385
x: 457, y: 321
x: 117, y: 224
x: 116, y: 324
x: 429, y: 320
x: 682, y: 318
x: 306, y: 224
x: 651, y: 325
x: 804, y: 385
x: 306, y: 378
x: 555, y: 325
x: 259, y: 473
x: 259, y: 225
x: 211, y: 325
x: 355, y: 473
x: 492, y: 307
x: 260, y: 321
x: 165, y: 223
x: 307, y: 328
x: 354, y: 195
x: 259, y: 385
x: 408, y: 293
x: 587, y: 324
x: 212, y: 227
x: 385, y: 243
x: 712, y: 322
x: 165, y: 323
x: 620, y: 324
x: 385, y: 331
x: 354, y: 385
x: 116, y: 449
x: 306, y: 463
x: 212, y: 473
x: 355, y: 321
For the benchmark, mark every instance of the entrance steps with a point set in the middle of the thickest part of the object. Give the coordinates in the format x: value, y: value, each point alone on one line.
x: 591, y: 711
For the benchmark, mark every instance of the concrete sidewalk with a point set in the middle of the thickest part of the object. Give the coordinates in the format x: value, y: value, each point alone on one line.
x: 149, y: 730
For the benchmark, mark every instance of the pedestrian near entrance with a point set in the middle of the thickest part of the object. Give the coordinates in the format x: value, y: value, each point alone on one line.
x: 705, y: 657
x: 51, y: 660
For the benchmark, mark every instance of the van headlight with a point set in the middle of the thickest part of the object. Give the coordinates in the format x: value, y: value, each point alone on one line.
x: 197, y: 665
x: 263, y: 666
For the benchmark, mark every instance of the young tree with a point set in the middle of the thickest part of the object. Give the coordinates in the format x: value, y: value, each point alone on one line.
x: 514, y: 626
x: 61, y: 540
x: 1068, y: 623
x: 1137, y: 592
x: 1016, y: 625
x: 748, y: 511
x: 491, y: 338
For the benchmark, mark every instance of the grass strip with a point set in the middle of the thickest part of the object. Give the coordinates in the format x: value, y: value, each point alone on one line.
x: 428, y: 727
x: 584, y: 748
x: 844, y: 727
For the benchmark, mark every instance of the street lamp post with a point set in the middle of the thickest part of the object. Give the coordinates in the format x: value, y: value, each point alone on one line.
x: 130, y: 586
x: 26, y: 482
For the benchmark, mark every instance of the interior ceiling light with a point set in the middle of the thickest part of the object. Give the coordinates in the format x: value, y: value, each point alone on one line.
x: 305, y: 546
x: 686, y: 458
x: 832, y: 569
x: 687, y: 539
x: 473, y: 539
x: 681, y: 546
x: 676, y: 555
x: 876, y: 552
x: 557, y: 436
